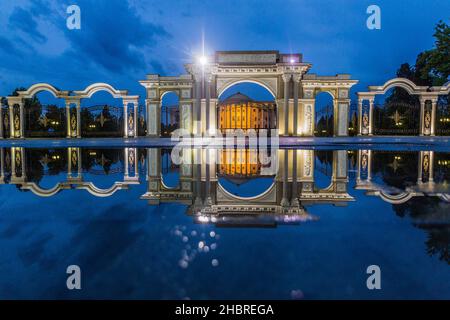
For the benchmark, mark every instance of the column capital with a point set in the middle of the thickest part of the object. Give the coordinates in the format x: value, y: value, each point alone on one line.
x: 296, y: 77
x: 286, y: 77
x: 208, y: 77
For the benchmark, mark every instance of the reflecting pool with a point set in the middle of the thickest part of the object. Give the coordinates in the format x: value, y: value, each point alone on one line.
x: 224, y: 224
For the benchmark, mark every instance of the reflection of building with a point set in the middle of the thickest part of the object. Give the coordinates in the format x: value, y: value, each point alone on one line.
x: 425, y: 185
x: 292, y: 187
x: 241, y: 112
x: 14, y: 171
x: 239, y: 162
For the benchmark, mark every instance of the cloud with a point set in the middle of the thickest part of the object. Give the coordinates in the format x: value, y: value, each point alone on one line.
x: 22, y: 20
x: 114, y: 36
x: 8, y: 46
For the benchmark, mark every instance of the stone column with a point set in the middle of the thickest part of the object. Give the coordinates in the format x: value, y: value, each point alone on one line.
x: 371, y: 116
x: 208, y: 79
x: 422, y: 116
x: 135, y: 119
x: 286, y: 78
x: 433, y: 116
x: 22, y: 120
x: 68, y: 129
x: 341, y: 110
x: 296, y: 79
x: 78, y: 107
x: 125, y: 119
x: 198, y: 103
x: 12, y: 133
x: 360, y: 102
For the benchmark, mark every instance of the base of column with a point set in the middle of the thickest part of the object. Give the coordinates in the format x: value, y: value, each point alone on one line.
x: 284, y: 202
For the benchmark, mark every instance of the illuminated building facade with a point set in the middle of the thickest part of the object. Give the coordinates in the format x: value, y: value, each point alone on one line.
x: 241, y: 112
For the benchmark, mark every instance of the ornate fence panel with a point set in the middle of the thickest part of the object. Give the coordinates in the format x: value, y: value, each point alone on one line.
x: 102, y: 121
x: 45, y: 121
x: 397, y: 118
x: 142, y: 123
x: 443, y: 116
x: 6, y: 123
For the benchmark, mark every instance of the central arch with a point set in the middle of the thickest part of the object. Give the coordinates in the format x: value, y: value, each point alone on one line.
x: 233, y: 82
x: 246, y: 106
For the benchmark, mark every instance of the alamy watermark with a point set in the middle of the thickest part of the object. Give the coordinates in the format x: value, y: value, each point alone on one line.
x: 374, y: 280
x: 74, y: 279
x: 73, y: 21
x: 374, y: 20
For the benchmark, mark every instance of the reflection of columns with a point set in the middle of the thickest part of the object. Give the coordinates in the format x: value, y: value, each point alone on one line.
x: 296, y: 78
x: 371, y: 116
x: 125, y: 119
x: 126, y: 163
x: 17, y: 159
x: 360, y: 116
x: 431, y: 166
x: 369, y: 165
x: 74, y: 163
x: 294, y: 196
x: 433, y: 116
x: 2, y: 165
x: 198, y: 176
x: 208, y: 200
x: 284, y: 200
x: 1, y: 121
x: 286, y: 79
x: 422, y: 116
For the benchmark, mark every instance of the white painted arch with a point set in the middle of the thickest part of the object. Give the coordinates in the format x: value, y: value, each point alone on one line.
x: 404, y: 83
x: 261, y: 82
x: 39, y: 87
x: 90, y: 90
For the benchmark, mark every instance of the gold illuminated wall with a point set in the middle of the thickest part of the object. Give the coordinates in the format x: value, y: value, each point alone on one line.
x: 247, y: 115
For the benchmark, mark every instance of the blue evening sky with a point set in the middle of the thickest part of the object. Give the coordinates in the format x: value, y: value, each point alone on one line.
x: 121, y: 41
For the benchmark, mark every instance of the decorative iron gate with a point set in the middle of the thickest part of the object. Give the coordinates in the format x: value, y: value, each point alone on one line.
x: 6, y: 123
x: 45, y: 121
x: 397, y: 118
x: 102, y: 121
x: 443, y: 116
x: 142, y: 123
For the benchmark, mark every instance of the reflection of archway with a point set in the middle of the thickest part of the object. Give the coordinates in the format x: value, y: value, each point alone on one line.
x: 323, y: 167
x: 170, y: 172
x: 324, y: 117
